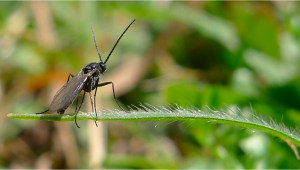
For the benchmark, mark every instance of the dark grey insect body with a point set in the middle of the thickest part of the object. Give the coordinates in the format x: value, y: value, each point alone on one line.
x: 87, y: 80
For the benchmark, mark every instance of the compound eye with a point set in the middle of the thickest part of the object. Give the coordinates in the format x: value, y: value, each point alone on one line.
x: 103, y: 67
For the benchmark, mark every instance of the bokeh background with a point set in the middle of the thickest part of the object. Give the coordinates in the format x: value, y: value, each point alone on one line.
x: 218, y: 54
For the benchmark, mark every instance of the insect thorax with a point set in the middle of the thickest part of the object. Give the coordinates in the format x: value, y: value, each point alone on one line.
x: 91, y: 66
x: 92, y: 80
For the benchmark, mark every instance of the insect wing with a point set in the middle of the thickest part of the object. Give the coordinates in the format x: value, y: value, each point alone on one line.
x: 68, y: 93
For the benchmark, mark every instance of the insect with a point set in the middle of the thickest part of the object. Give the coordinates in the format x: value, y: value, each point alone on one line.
x: 87, y: 79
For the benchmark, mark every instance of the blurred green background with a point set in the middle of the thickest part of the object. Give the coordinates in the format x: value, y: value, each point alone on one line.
x: 219, y: 54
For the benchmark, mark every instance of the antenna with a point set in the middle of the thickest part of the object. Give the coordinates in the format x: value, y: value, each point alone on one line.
x: 96, y: 43
x: 116, y: 42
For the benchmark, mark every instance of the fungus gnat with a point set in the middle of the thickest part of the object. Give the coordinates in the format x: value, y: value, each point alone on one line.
x: 87, y: 80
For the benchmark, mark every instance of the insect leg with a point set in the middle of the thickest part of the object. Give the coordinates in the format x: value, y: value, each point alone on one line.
x: 78, y: 110
x: 95, y: 103
x: 43, y: 112
x: 69, y: 76
x: 112, y: 84
x: 76, y: 103
x: 92, y: 102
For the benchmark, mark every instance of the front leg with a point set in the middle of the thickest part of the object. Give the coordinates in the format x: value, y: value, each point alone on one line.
x: 112, y: 84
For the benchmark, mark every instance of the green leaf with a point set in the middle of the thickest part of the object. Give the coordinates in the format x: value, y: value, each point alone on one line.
x: 235, y: 117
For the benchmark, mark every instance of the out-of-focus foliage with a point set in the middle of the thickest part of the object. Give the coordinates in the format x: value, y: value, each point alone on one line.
x: 190, y: 53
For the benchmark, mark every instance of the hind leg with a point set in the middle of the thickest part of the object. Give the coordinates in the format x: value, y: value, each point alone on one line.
x: 43, y: 112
